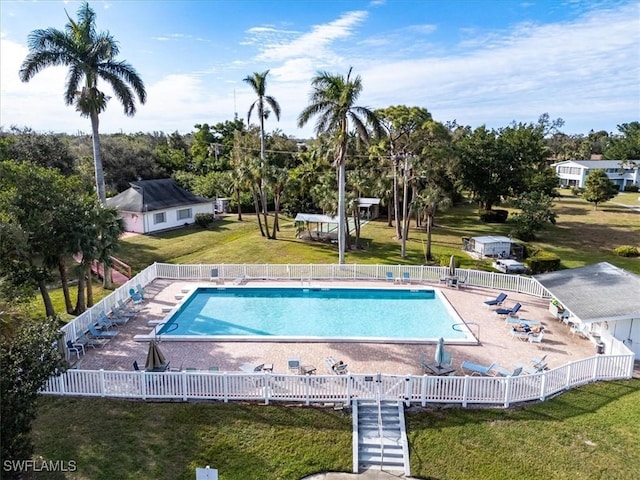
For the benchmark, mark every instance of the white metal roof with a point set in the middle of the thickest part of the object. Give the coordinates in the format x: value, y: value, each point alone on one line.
x: 367, y: 202
x: 316, y: 218
x: 492, y: 239
x: 596, y: 292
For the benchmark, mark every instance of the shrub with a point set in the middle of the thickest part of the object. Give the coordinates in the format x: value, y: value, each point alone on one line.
x: 205, y: 219
x: 632, y: 187
x: 626, y: 251
x: 576, y: 191
x: 543, y: 262
x: 493, y: 216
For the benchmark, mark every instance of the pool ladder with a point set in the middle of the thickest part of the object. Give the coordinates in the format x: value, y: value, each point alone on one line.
x: 468, y: 323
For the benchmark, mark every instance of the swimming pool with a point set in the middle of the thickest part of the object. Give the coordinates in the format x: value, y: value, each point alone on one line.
x: 314, y: 314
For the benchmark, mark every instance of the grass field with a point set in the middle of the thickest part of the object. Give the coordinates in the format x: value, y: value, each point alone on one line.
x: 588, y: 433
x: 580, y: 237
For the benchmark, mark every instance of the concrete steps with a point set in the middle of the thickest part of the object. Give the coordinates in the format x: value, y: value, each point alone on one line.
x: 379, y: 437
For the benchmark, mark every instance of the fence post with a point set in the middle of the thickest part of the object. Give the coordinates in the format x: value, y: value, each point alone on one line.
x: 184, y: 385
x: 348, y: 400
x: 307, y: 389
x: 507, y: 390
x: 567, y: 382
x: 596, y: 368
x: 225, y: 387
x: 465, y: 391
x: 61, y: 382
x: 103, y: 386
x: 543, y: 386
x: 407, y: 391
x: 267, y: 381
x: 143, y: 384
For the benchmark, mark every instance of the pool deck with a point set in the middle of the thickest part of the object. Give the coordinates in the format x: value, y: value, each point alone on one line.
x: 496, y: 343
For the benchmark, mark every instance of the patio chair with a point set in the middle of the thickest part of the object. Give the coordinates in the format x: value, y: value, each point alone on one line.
x: 104, y: 321
x: 389, y: 276
x: 579, y: 328
x: 214, y: 275
x: 76, y: 348
x: 294, y: 365
x: 119, y: 312
x: 86, y: 341
x: 504, y: 372
x: 496, y: 301
x: 536, y: 362
x: 533, y: 338
x: 335, y: 366
x: 240, y: 280
x: 476, y: 369
x: 462, y: 282
x: 136, y: 298
x: 251, y: 368
x: 533, y: 370
x: 406, y: 277
x: 140, y: 290
x: 116, y: 319
x: 521, y: 321
x: 125, y: 308
x: 101, y: 333
x: 510, y: 312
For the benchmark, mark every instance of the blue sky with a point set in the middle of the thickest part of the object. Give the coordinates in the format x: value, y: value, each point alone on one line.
x: 476, y: 62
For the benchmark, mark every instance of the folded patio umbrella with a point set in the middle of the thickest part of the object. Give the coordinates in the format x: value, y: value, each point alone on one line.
x: 155, y: 357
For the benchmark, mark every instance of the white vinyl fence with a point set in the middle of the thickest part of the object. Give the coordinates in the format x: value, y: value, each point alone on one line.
x: 268, y: 387
x: 307, y: 389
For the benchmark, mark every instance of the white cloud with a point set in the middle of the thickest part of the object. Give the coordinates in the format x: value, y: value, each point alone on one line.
x: 315, y: 43
x: 580, y: 68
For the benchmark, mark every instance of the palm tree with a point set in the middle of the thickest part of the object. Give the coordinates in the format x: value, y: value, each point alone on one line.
x: 259, y: 84
x: 333, y: 100
x: 90, y: 56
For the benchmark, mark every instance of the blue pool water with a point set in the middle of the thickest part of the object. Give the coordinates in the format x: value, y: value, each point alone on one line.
x: 314, y: 314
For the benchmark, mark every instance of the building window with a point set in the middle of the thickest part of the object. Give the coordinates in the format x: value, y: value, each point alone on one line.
x: 569, y: 170
x: 184, y: 214
x: 159, y: 217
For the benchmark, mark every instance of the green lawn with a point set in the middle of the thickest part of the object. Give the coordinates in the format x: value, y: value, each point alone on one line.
x: 580, y: 237
x: 589, y: 433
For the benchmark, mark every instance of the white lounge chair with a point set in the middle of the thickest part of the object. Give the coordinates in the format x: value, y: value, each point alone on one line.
x: 476, y: 369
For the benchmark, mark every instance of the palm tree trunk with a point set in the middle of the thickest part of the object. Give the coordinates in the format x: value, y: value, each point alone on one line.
x: 429, y: 227
x: 396, y: 200
x: 89, y: 286
x: 405, y: 214
x: 275, y: 219
x: 81, y: 305
x: 239, y: 206
x: 97, y: 160
x: 341, y: 211
x: 46, y: 299
x: 257, y: 209
x: 64, y: 280
x: 107, y: 281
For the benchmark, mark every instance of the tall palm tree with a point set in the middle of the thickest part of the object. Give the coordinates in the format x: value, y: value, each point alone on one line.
x: 90, y: 56
x: 258, y: 82
x: 333, y: 100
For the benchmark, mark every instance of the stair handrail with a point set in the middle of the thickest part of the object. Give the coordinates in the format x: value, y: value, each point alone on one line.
x: 121, y: 267
x: 380, y: 429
